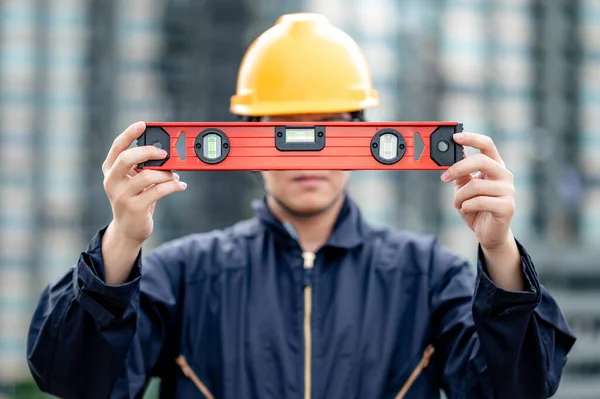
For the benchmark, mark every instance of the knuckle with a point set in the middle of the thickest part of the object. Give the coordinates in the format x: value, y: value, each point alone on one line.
x: 509, y: 207
x: 106, y: 185
x: 129, y: 157
x: 109, y: 183
x: 512, y: 205
x: 511, y: 189
x: 510, y: 175
x: 121, y: 158
x: 161, y: 190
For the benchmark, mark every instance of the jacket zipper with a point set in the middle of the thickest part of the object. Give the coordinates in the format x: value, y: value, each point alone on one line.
x: 187, y: 370
x: 309, y: 259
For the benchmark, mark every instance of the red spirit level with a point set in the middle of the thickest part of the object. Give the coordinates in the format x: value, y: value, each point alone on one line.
x: 302, y: 146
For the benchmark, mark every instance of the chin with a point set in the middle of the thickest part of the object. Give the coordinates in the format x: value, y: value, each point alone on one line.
x: 308, y: 203
x: 308, y: 209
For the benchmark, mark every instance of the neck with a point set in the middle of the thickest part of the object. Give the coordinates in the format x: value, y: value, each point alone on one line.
x: 313, y: 231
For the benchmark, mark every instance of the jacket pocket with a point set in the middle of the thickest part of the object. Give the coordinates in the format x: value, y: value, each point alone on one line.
x: 189, y: 372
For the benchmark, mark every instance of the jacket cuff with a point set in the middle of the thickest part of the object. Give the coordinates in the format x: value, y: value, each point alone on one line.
x: 107, y: 303
x: 492, y: 300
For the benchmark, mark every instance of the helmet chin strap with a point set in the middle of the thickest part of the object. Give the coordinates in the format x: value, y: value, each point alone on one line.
x: 303, y: 215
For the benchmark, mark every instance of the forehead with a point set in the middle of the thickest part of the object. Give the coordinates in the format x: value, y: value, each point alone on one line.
x: 339, y: 117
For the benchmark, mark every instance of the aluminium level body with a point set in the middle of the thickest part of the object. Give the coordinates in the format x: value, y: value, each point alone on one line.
x: 303, y: 146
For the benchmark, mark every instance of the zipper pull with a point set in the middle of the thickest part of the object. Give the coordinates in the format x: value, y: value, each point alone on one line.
x: 309, y: 259
x: 309, y: 262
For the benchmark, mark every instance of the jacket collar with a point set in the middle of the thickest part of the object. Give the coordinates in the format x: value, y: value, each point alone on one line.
x: 350, y: 229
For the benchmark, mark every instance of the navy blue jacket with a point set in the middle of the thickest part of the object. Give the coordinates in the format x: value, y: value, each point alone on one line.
x: 250, y: 313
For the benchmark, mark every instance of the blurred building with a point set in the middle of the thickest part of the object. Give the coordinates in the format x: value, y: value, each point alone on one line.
x: 42, y: 144
x: 74, y: 74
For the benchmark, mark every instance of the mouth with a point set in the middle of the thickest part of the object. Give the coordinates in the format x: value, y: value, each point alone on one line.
x: 309, y: 179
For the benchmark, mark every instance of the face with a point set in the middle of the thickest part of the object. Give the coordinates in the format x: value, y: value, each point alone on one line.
x: 307, y: 192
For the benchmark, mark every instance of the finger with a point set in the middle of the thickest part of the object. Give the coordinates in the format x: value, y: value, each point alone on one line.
x: 475, y: 163
x: 122, y: 142
x: 133, y: 156
x: 498, y: 206
x: 158, y: 191
x: 481, y: 187
x: 483, y: 143
x: 461, y: 181
x: 147, y: 178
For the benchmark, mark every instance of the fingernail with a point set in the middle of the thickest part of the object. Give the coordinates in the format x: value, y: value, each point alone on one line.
x: 458, y: 136
x: 445, y: 176
x: 139, y: 127
x: 184, y: 185
x: 176, y: 176
x: 162, y: 153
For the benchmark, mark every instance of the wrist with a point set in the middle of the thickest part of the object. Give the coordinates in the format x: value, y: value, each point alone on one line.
x: 115, y: 236
x: 503, y: 264
x: 119, y: 253
x: 502, y: 247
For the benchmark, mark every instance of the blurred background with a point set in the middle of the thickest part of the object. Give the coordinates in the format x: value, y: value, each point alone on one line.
x: 74, y: 74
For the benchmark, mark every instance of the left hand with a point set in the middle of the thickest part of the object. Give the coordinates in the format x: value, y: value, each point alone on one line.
x: 485, y: 200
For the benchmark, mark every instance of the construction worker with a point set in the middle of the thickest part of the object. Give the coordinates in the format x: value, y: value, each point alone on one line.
x: 305, y: 299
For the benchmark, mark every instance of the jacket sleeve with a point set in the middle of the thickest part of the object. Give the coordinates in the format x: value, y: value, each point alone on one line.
x: 91, y: 340
x: 492, y: 343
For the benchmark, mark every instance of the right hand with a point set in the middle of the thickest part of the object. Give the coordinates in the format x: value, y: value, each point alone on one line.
x: 133, y: 193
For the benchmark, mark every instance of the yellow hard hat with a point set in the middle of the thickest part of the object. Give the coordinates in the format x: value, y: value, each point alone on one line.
x: 302, y: 65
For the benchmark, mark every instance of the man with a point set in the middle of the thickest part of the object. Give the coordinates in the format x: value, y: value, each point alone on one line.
x: 305, y: 300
